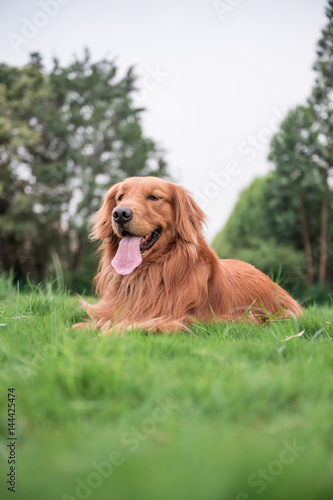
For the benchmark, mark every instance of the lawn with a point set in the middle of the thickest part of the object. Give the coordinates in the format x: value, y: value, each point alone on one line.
x: 226, y: 411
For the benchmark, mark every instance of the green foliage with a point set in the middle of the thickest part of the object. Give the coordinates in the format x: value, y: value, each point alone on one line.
x: 247, y: 219
x: 322, y: 98
x: 65, y: 137
x: 235, y: 393
x: 297, y: 151
x: 265, y: 230
x: 282, y: 263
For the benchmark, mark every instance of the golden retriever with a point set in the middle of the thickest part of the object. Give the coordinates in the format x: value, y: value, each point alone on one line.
x: 157, y: 272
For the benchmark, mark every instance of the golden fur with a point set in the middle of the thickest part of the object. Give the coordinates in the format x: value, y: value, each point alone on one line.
x: 180, y: 280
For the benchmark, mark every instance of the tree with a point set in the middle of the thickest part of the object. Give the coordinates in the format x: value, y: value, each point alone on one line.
x: 302, y: 150
x: 65, y: 137
x: 296, y: 151
x: 246, y: 220
x: 265, y: 230
x: 293, y: 204
x: 23, y: 92
x: 322, y: 101
x: 257, y: 234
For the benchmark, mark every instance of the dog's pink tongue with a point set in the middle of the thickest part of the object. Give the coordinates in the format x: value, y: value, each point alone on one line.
x: 128, y: 255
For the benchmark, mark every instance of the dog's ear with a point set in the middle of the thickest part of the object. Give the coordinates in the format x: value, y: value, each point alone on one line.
x: 102, y: 220
x: 189, y: 218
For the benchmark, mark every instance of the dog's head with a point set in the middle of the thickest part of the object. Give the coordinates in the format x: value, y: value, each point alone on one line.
x: 142, y: 215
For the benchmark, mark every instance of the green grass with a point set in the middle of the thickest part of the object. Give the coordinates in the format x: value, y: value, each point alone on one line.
x: 228, y: 411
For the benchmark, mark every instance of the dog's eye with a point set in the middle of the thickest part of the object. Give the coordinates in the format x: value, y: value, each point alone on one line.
x: 121, y: 197
x: 153, y: 197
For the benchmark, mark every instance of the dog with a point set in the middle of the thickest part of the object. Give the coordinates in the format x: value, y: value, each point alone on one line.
x: 158, y: 274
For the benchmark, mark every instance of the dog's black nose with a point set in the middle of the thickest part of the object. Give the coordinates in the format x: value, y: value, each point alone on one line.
x: 122, y: 215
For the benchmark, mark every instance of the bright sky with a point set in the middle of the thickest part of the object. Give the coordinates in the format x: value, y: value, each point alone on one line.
x: 216, y: 77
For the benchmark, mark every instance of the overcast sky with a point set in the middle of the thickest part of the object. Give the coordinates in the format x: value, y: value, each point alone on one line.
x: 216, y: 77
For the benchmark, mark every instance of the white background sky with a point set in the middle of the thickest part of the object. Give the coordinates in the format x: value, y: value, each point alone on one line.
x: 226, y: 78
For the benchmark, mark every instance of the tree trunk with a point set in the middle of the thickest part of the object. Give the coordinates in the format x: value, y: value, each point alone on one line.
x: 323, y: 236
x: 306, y: 242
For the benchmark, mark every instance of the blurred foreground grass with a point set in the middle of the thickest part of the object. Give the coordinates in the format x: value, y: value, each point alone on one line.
x: 227, y: 411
